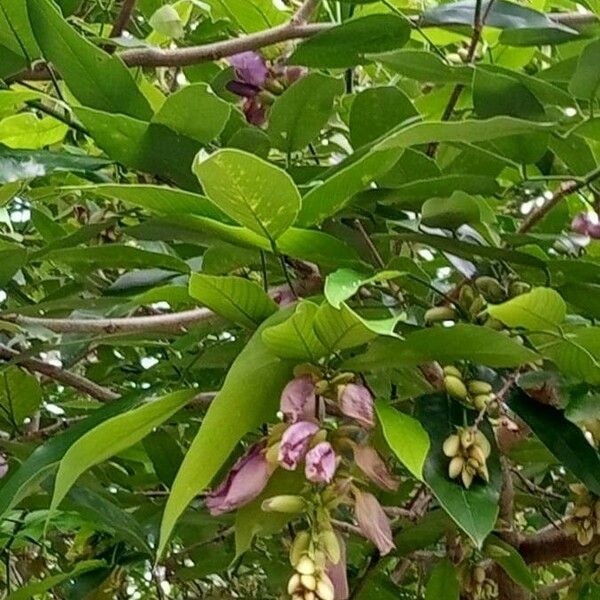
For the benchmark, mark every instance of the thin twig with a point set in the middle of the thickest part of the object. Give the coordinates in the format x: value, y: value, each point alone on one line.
x: 305, y: 12
x: 123, y: 18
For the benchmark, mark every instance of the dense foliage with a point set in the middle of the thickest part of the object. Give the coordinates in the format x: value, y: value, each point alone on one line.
x: 299, y: 299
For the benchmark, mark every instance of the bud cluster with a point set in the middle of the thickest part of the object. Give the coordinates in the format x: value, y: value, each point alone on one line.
x: 474, y: 392
x: 478, y: 585
x: 309, y: 555
x: 584, y: 514
x: 468, y: 450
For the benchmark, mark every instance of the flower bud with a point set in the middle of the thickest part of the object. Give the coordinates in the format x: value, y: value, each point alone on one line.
x: 294, y: 583
x: 329, y: 542
x: 298, y: 399
x: 306, y: 566
x: 483, y: 443
x: 309, y: 582
x: 490, y: 288
x: 467, y: 478
x: 356, y: 402
x: 325, y: 589
x: 294, y: 443
x: 299, y: 547
x: 452, y: 370
x: 320, y: 463
x: 372, y: 465
x: 481, y: 401
x: 373, y: 522
x: 284, y: 504
x: 477, y: 453
x: 467, y: 437
x: 479, y: 574
x: 455, y: 387
x: 479, y: 387
x: 516, y: 288
x: 451, y: 446
x: 456, y: 466
x: 439, y: 313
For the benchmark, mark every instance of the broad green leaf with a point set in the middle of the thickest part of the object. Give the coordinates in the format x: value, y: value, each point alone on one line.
x: 239, y: 300
x: 460, y: 131
x: 424, y: 66
x: 443, y: 582
x: 499, y: 94
x: 562, y: 438
x: 251, y: 520
x: 295, y: 337
x: 166, y: 21
x: 158, y: 198
x: 445, y: 344
x: 194, y: 111
x: 344, y: 283
x: 115, y: 256
x: 510, y: 560
x: 425, y: 532
x: 522, y: 25
x: 347, y: 44
x: 340, y: 183
x: 339, y: 329
x: 25, y: 130
x: 23, y: 481
x: 405, y: 436
x: 39, y: 588
x: 111, y: 437
x: 250, y: 190
x: 451, y: 213
x: 148, y: 147
x: 10, y: 262
x: 298, y: 115
x: 261, y: 375
x: 16, y: 165
x: 474, y: 510
x: 539, y: 309
x: 377, y: 110
x: 97, y: 79
x: 165, y: 454
x: 585, y: 82
x: 20, y: 396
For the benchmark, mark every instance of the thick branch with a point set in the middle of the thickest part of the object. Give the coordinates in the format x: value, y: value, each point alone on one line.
x: 60, y: 375
x: 123, y: 18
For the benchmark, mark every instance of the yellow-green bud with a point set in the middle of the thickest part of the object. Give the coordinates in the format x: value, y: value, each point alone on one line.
x: 284, y: 504
x: 467, y: 437
x: 479, y: 574
x: 456, y: 466
x: 490, y: 288
x: 309, y: 582
x: 440, y: 313
x: 451, y: 446
x: 455, y: 387
x: 299, y: 547
x: 294, y: 583
x: 329, y: 542
x: 466, y: 296
x: 516, y: 288
x: 480, y: 401
x: 479, y: 387
x: 306, y: 566
x: 452, y: 370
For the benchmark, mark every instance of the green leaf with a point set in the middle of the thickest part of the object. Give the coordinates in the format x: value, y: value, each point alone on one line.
x: 194, y: 111
x: 25, y: 480
x: 295, y: 337
x: 474, y: 510
x: 239, y: 300
x: 539, y: 309
x: 25, y: 130
x: 37, y: 588
x: 114, y: 256
x: 460, y: 131
x: 97, y: 79
x: 299, y: 114
x: 344, y: 283
x: 562, y: 438
x: 510, y: 560
x: 405, y: 436
x: 250, y: 190
x: 451, y: 213
x: 521, y: 25
x: 165, y: 454
x: 425, y: 532
x: 340, y: 183
x: 424, y: 66
x: 20, y: 396
x: 443, y: 582
x: 377, y: 110
x: 445, y: 344
x: 339, y: 329
x: 111, y: 437
x: 166, y: 21
x: 585, y: 82
x: 261, y: 375
x: 157, y: 198
x: 347, y: 44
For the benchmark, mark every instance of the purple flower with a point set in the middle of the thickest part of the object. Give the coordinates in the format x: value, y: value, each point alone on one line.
x: 373, y: 522
x: 584, y: 224
x: 337, y: 572
x: 250, y: 68
x: 294, y: 443
x: 298, y: 399
x: 373, y: 466
x: 320, y: 463
x: 246, y: 480
x: 356, y: 402
x: 3, y: 466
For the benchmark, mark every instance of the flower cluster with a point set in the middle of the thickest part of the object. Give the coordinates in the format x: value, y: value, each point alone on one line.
x: 586, y: 224
x: 256, y: 83
x: 468, y: 450
x: 478, y: 585
x: 337, y: 462
x: 584, y: 515
x: 474, y: 392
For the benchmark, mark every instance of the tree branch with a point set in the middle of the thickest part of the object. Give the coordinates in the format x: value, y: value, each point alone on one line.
x: 123, y: 18
x: 67, y: 378
x: 305, y: 12
x: 566, y: 188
